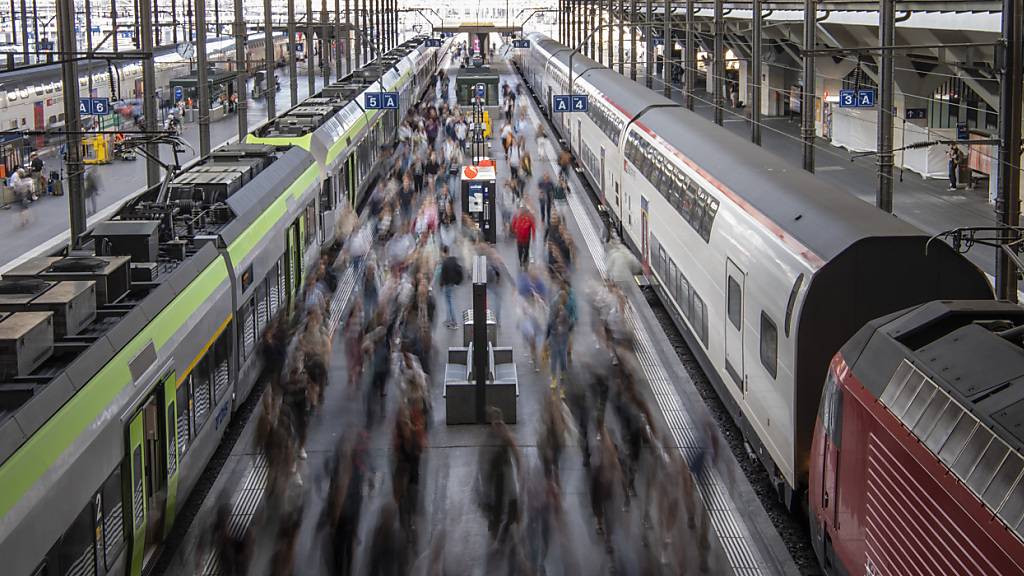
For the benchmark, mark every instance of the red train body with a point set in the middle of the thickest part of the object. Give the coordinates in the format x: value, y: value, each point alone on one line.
x: 916, y: 463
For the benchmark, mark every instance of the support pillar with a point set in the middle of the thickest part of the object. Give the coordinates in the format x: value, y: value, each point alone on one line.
x: 68, y: 47
x: 666, y: 66
x: 241, y: 69
x: 1008, y: 183
x: 310, y: 52
x: 718, y: 59
x: 610, y: 31
x: 690, y: 57
x: 622, y: 37
x: 886, y: 37
x: 268, y: 29
x: 339, y: 53
x: 149, y: 108
x: 24, y: 32
x: 649, y: 43
x: 293, y: 66
x: 807, y: 98
x: 202, y: 79
x: 349, y: 38
x: 323, y: 30
x: 755, y: 75
x: 632, y: 39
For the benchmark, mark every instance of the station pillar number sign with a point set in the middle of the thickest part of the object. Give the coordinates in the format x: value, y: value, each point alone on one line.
x: 94, y: 106
x: 380, y: 101
x: 179, y: 93
x: 433, y: 43
x: 857, y: 98
x: 520, y: 43
x: 570, y: 103
x: 481, y: 90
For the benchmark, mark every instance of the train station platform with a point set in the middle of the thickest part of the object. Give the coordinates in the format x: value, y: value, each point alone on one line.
x: 49, y: 216
x: 741, y: 538
x: 924, y: 202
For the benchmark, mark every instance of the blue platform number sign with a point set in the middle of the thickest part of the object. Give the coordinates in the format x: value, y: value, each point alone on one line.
x: 580, y: 103
x: 866, y: 98
x: 389, y: 100
x: 561, y: 103
x: 371, y: 101
x: 481, y: 90
x: 433, y: 42
x: 847, y: 98
x: 100, y: 106
x: 962, y: 133
x: 178, y: 93
x: 85, y: 106
x: 857, y: 98
x: 520, y: 43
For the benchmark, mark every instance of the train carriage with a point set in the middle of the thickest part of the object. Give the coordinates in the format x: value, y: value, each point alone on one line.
x: 767, y: 269
x: 117, y: 399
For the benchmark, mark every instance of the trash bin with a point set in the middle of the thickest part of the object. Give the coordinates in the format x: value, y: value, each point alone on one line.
x: 467, y: 327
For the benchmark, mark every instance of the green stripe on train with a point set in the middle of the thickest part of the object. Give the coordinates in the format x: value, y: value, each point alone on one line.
x: 300, y: 141
x: 41, y: 451
x: 277, y: 210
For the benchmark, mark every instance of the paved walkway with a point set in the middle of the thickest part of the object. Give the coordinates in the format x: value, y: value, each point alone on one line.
x: 116, y: 181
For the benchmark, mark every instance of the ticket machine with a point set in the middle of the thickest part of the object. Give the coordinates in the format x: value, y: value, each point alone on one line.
x: 479, y: 197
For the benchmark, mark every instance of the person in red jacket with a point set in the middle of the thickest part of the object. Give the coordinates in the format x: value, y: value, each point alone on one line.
x: 523, y: 228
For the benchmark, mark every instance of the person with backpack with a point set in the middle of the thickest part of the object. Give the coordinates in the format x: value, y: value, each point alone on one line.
x: 451, y: 275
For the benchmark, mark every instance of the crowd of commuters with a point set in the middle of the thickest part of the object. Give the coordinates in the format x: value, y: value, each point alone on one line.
x: 407, y: 247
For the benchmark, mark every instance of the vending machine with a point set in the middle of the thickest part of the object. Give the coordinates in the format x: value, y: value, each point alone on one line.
x: 479, y: 196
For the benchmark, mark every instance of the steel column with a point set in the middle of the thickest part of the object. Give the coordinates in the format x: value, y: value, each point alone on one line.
x: 610, y: 31
x: 690, y: 57
x: 35, y: 29
x: 755, y: 75
x: 718, y: 60
x: 24, y: 32
x: 339, y: 53
x: 241, y: 69
x: 666, y: 66
x: 72, y: 119
x: 622, y: 37
x: 349, y: 35
x: 886, y: 37
x: 310, y: 52
x: 325, y: 42
x: 293, y: 66
x: 632, y: 39
x: 649, y: 44
x: 202, y: 79
x: 149, y: 107
x: 1008, y: 183
x: 357, y: 37
x: 807, y: 97
x: 268, y: 54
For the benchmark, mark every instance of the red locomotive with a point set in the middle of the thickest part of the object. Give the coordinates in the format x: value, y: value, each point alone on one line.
x: 916, y: 462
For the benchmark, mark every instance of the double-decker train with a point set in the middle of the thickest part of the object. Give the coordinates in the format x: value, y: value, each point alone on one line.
x: 122, y: 363
x: 767, y: 269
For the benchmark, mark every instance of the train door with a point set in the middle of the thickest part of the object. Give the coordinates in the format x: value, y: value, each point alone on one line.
x: 831, y: 423
x: 602, y: 174
x: 293, y: 264
x: 734, y: 278
x: 350, y: 179
x: 150, y: 471
x: 643, y: 229
x: 579, y: 136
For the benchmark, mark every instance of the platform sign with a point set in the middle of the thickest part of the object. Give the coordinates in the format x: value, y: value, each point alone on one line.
x: 580, y: 103
x: 179, y: 93
x: 85, y: 106
x: 100, y: 106
x: 389, y: 100
x: 520, y: 43
x: 847, y: 98
x: 857, y: 98
x: 371, y: 101
x: 561, y: 103
x: 915, y: 113
x: 962, y: 133
x: 866, y: 98
x: 481, y: 90
x: 433, y: 43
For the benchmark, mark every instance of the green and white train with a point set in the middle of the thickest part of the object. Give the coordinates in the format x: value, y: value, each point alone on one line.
x: 121, y: 366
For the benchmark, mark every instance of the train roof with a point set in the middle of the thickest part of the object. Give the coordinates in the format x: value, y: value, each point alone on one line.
x: 139, y: 260
x: 822, y: 218
x: 971, y: 351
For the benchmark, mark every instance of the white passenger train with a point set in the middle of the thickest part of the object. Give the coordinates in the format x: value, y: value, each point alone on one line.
x: 768, y: 269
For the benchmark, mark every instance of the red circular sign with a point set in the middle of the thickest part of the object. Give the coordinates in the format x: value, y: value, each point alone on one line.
x: 470, y: 171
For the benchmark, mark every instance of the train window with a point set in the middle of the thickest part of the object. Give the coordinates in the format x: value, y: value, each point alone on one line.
x: 683, y: 295
x: 735, y: 303
x: 326, y: 198
x: 248, y: 328
x: 75, y: 553
x: 201, y: 394
x: 987, y: 465
x: 1008, y: 473
x: 113, y: 518
x: 222, y: 362
x: 184, y: 433
x: 958, y: 438
x: 769, y: 345
x: 700, y: 318
x: 262, y: 307
x: 670, y: 280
